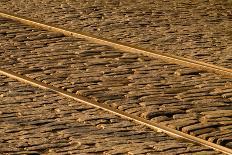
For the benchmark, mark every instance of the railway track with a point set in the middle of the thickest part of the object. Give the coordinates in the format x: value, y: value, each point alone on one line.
x: 70, y: 93
x: 185, y: 28
x: 124, y: 47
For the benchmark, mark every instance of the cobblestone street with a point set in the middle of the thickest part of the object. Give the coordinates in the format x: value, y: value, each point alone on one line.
x: 193, y: 101
x: 55, y: 125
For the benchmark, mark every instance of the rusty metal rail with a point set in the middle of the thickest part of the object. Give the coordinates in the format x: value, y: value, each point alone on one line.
x: 127, y: 48
x: 155, y: 126
x: 124, y: 47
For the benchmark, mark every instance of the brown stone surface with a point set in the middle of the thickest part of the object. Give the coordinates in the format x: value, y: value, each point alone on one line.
x: 35, y: 121
x: 199, y: 29
x: 139, y: 85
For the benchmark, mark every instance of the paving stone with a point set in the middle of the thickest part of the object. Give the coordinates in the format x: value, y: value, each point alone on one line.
x: 198, y: 126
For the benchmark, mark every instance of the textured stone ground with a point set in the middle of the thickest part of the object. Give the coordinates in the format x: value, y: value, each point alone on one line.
x: 199, y: 29
x: 35, y: 121
x: 192, y: 101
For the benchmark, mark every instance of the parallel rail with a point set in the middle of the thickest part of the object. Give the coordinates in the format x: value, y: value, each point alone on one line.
x: 124, y: 47
x: 128, y: 48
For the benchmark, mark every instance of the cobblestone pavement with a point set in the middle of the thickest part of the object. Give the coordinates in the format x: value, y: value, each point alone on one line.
x: 200, y: 29
x: 192, y: 101
x: 35, y: 121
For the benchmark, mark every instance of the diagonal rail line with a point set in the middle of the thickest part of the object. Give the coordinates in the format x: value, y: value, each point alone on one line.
x: 127, y: 48
x: 124, y: 47
x: 154, y: 126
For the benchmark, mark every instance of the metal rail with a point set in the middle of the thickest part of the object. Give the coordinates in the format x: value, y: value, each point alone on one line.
x: 124, y: 47
x: 155, y: 126
x: 128, y: 48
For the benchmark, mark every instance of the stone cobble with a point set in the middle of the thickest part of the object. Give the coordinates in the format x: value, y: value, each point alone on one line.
x: 36, y: 121
x: 199, y: 29
x: 192, y: 101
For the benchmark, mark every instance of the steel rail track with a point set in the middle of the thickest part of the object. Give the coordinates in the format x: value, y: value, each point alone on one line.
x: 154, y: 126
x: 124, y: 47
x: 128, y: 48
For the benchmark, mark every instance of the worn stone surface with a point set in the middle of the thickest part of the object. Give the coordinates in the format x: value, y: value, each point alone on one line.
x: 35, y: 121
x: 199, y: 29
x: 149, y: 88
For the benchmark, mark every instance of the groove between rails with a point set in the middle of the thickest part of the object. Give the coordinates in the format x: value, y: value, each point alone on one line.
x: 154, y: 126
x: 124, y: 47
